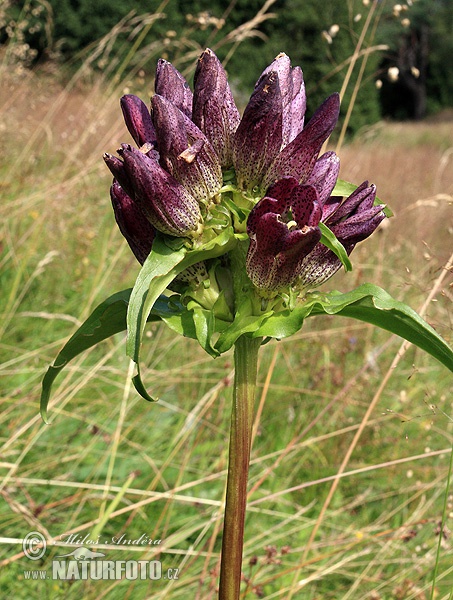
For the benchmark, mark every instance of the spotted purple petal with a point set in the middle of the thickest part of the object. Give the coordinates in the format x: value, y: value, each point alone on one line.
x: 214, y: 109
x: 132, y: 223
x: 324, y: 175
x: 172, y: 85
x: 351, y: 221
x: 357, y: 217
x: 138, y: 120
x: 119, y: 172
x: 362, y: 198
x: 292, y: 90
x: 258, y: 138
x: 185, y: 152
x: 298, y: 158
x: 298, y: 104
x: 166, y: 203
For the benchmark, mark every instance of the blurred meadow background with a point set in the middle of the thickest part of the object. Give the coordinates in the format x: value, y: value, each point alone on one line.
x: 349, y: 481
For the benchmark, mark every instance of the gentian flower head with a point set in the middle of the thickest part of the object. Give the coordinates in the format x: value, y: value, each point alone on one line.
x: 200, y: 168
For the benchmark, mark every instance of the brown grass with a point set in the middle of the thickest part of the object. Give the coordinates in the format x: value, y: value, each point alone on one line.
x: 53, y: 140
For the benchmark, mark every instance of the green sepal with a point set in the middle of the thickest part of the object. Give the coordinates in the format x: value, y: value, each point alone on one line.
x: 204, y: 324
x: 245, y: 322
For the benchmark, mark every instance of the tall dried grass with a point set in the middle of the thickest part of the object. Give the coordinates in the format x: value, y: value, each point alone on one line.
x: 112, y: 464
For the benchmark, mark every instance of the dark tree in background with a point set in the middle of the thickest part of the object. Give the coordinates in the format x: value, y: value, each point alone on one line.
x: 422, y: 52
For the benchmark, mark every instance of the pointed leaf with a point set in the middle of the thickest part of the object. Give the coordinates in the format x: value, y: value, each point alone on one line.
x: 367, y: 303
x: 107, y: 319
x: 160, y: 268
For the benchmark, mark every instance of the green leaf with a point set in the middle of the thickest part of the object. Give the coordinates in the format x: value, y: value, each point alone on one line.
x: 106, y: 320
x: 330, y: 240
x: 368, y: 303
x: 160, y: 268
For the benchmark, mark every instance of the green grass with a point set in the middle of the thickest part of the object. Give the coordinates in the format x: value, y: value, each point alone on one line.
x: 61, y: 254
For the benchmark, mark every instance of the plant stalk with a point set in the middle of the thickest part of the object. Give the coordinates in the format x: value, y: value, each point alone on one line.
x: 245, y: 372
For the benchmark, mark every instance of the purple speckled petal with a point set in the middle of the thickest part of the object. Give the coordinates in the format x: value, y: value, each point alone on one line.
x: 361, y: 198
x: 330, y: 206
x: 292, y: 89
x: 358, y: 227
x: 138, y: 120
x: 119, y: 172
x: 298, y: 158
x: 132, y: 223
x: 282, y: 67
x: 298, y: 104
x: 318, y: 267
x: 305, y: 206
x: 352, y: 221
x: 324, y: 175
x: 185, y: 151
x: 258, y: 138
x: 281, y: 193
x: 165, y: 202
x: 172, y: 85
x: 275, y: 252
x: 214, y: 109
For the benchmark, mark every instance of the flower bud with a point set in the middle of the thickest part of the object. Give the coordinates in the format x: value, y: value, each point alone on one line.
x: 351, y: 221
x: 258, y: 138
x: 214, y: 109
x: 172, y: 85
x: 138, y: 120
x: 185, y: 152
x: 119, y: 172
x: 165, y: 202
x: 292, y: 90
x: 132, y: 223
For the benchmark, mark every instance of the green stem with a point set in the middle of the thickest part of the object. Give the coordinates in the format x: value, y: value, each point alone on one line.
x: 245, y: 370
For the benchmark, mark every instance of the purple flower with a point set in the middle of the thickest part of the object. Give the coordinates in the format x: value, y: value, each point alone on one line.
x: 271, y: 141
x: 185, y: 151
x: 138, y: 120
x: 167, y: 204
x: 189, y: 141
x: 352, y: 221
x: 132, y: 223
x: 283, y: 230
x: 173, y: 86
x: 214, y: 110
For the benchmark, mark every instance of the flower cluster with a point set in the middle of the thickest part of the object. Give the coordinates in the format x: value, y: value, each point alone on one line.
x: 197, y: 158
